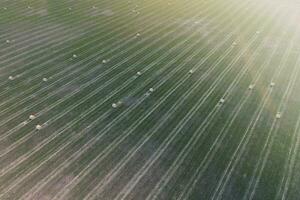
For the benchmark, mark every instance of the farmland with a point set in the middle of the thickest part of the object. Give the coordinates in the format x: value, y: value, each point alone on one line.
x: 137, y: 99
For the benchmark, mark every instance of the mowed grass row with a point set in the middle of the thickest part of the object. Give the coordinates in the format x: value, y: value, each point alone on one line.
x: 59, y: 67
x: 63, y: 84
x: 66, y: 53
x: 178, y: 141
x: 27, y: 97
x: 209, y: 141
x: 261, y: 117
x: 188, y: 103
x: 24, y: 46
x: 130, y: 184
x: 126, y: 157
x: 139, y: 19
x: 107, y: 20
x: 39, y: 24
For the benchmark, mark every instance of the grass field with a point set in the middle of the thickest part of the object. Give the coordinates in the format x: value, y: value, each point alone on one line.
x: 137, y: 99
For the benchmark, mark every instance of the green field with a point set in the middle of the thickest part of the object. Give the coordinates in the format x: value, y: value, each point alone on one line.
x: 137, y: 99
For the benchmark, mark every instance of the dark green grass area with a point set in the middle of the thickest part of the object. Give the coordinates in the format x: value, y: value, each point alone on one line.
x: 66, y: 62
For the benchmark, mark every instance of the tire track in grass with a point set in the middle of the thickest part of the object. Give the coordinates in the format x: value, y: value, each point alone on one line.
x: 263, y: 157
x: 243, y: 143
x: 164, y: 181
